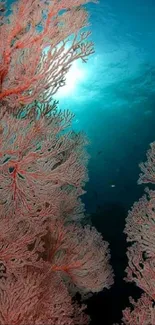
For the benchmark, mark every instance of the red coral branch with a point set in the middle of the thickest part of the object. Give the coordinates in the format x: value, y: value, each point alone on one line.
x: 26, y: 72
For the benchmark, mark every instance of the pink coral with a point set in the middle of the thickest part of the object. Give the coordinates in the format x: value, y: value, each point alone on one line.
x: 148, y: 168
x: 46, y: 254
x: 141, y: 313
x: 43, y: 170
x: 36, y: 155
x: 27, y: 71
x: 35, y: 299
x: 140, y: 230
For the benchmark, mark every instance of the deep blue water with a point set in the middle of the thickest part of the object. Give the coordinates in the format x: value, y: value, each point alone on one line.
x: 114, y: 102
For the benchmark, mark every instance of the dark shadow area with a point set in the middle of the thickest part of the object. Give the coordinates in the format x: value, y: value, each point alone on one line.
x: 106, y: 307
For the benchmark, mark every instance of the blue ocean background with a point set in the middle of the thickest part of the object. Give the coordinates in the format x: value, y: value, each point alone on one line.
x: 113, y: 98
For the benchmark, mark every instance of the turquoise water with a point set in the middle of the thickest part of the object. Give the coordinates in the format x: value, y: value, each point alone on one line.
x: 113, y: 97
